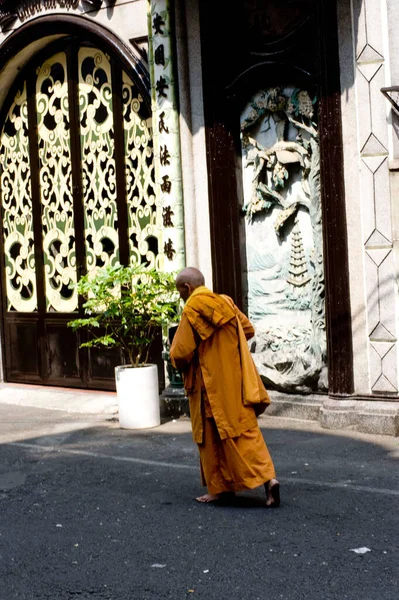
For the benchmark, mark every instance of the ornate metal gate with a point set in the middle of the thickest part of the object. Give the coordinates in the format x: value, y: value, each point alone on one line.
x: 77, y: 193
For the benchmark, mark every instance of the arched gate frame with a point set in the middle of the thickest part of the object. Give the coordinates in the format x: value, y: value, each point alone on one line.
x: 90, y: 179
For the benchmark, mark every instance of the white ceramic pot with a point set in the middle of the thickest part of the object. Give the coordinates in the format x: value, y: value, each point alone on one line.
x: 138, y: 396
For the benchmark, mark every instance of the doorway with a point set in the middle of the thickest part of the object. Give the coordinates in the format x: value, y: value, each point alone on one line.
x: 273, y: 131
x: 76, y: 193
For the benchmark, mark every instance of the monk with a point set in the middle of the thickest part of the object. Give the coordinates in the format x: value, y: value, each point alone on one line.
x: 225, y: 392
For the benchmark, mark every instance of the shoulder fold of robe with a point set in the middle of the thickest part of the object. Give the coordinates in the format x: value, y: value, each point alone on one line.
x: 254, y: 391
x: 207, y: 312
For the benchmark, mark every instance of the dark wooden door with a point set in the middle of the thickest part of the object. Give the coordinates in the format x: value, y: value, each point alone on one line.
x: 76, y: 183
x: 254, y: 45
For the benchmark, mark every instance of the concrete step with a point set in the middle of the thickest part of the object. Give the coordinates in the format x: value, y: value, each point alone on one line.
x: 367, y: 416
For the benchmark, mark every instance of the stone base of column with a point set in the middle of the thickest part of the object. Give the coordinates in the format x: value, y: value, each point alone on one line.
x: 174, y: 403
x: 357, y: 414
x: 367, y: 416
x: 295, y: 406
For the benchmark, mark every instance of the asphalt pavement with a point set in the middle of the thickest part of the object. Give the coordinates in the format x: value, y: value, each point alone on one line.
x: 91, y: 511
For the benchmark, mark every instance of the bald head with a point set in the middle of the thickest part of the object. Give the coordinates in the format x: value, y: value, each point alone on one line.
x: 188, y: 280
x: 192, y: 276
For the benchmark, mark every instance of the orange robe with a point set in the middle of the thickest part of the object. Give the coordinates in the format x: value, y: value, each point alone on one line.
x: 206, y: 348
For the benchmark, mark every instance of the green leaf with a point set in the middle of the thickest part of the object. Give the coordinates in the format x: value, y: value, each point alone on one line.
x: 104, y: 340
x: 129, y: 305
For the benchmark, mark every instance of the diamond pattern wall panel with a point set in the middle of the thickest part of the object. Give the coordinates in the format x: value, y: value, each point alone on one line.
x: 375, y: 194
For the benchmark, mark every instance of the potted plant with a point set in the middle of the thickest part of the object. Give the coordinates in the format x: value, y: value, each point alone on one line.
x: 127, y: 306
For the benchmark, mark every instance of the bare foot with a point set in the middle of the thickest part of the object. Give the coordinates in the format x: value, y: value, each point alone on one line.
x: 208, y: 498
x: 223, y: 497
x: 272, y: 488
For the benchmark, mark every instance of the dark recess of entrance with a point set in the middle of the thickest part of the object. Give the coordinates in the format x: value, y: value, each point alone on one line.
x: 277, y: 43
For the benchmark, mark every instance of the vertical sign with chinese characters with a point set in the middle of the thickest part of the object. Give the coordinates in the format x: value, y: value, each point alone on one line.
x: 166, y: 135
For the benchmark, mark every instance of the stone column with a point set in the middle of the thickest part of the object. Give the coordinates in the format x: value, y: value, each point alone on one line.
x: 168, y: 173
x: 366, y: 131
x: 192, y: 136
x: 393, y: 38
x: 167, y: 156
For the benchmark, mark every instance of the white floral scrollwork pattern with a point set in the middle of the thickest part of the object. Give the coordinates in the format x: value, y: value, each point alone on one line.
x: 56, y: 185
x: 139, y: 171
x: 98, y: 163
x: 54, y: 201
x: 16, y: 203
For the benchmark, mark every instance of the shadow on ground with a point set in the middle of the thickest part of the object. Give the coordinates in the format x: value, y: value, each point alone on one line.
x: 99, y: 512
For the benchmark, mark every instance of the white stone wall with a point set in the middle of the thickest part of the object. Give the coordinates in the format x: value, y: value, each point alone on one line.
x: 192, y: 134
x: 393, y: 48
x: 126, y: 18
x: 367, y: 134
x: 393, y: 40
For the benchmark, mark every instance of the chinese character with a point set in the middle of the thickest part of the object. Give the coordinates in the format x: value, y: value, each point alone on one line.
x: 166, y: 185
x: 158, y: 23
x: 169, y: 250
x: 164, y: 156
x: 161, y: 86
x: 167, y: 214
x: 162, y: 127
x: 160, y: 55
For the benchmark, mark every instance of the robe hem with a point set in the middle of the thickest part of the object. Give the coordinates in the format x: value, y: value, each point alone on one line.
x: 239, y: 486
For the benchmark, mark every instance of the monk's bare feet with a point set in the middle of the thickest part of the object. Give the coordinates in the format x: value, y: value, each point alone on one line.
x: 272, y: 488
x: 208, y: 498
x: 224, y: 497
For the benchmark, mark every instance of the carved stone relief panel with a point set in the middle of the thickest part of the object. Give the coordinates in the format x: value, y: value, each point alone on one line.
x: 283, y: 233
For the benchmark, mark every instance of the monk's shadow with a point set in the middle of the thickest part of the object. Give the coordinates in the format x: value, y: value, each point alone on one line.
x: 242, y: 500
